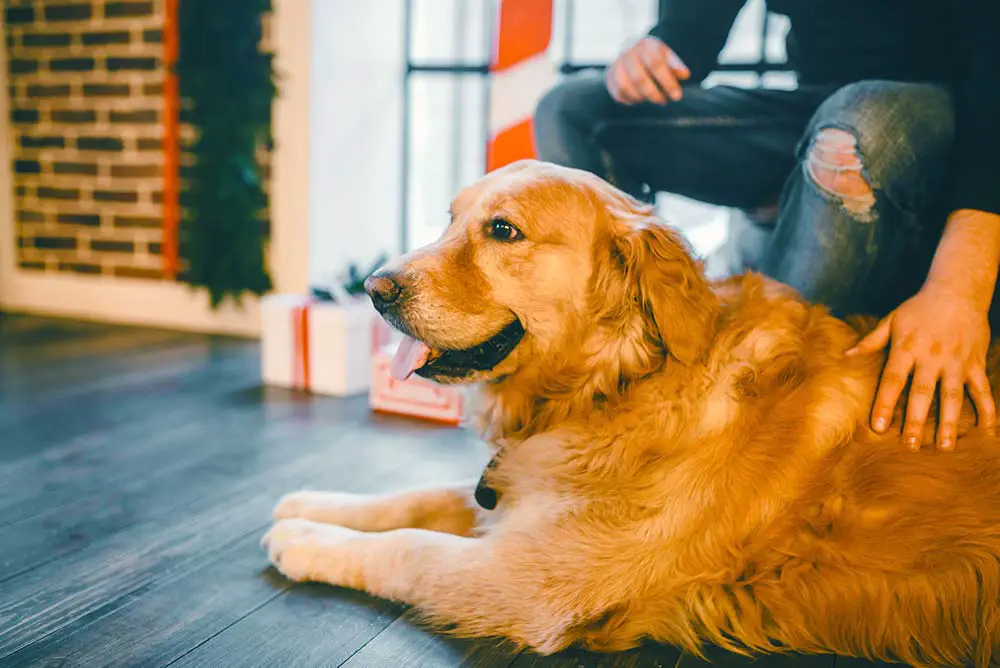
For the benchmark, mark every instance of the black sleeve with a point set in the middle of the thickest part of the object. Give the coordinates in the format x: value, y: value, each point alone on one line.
x: 976, y: 171
x: 697, y: 30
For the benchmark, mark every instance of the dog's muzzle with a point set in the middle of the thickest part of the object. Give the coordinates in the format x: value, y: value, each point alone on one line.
x: 482, y: 357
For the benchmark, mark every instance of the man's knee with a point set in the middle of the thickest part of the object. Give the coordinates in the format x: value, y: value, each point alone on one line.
x: 835, y: 165
x: 874, y: 138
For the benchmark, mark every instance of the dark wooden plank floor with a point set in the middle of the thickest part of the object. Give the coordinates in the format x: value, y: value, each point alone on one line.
x: 137, y: 473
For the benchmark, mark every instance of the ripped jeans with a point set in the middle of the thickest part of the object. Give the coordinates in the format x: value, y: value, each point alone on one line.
x: 857, y: 173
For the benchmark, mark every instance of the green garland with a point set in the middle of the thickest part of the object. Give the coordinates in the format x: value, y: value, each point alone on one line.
x: 227, y: 87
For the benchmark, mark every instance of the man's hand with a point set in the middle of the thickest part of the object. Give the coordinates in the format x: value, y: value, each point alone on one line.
x: 941, y: 335
x: 937, y: 337
x: 645, y: 72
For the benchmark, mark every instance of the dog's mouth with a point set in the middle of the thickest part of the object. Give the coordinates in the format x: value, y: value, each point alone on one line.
x: 416, y: 357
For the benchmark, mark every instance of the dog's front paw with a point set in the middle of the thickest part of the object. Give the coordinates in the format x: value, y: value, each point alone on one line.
x: 295, y: 504
x: 326, y: 507
x: 292, y: 547
x: 304, y: 550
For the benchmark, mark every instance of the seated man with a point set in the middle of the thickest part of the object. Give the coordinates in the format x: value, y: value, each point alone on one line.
x: 884, y: 165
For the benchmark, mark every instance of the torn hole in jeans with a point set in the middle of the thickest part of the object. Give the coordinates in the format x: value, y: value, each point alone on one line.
x: 835, y: 165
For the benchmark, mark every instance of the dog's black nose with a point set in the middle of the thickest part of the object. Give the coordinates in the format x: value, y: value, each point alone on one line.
x: 384, y: 290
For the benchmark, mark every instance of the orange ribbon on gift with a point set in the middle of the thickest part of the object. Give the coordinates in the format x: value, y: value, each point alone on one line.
x: 300, y: 346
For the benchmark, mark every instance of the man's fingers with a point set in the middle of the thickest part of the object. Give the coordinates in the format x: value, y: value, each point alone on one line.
x: 876, y: 340
x: 925, y: 380
x: 642, y: 80
x: 665, y: 79
x: 982, y: 398
x: 627, y: 91
x: 891, y: 385
x: 620, y: 84
x: 952, y: 394
x: 677, y: 65
x: 656, y: 60
x: 649, y: 71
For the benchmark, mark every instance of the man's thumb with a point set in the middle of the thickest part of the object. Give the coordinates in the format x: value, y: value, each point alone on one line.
x: 876, y: 340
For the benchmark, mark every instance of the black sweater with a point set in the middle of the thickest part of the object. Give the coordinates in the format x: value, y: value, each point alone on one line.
x: 954, y: 42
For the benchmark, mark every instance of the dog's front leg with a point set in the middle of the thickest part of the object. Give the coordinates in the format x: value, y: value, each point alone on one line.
x: 452, y: 580
x: 451, y: 509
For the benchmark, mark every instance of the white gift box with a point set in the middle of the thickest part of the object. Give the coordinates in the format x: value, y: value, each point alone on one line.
x: 323, y: 347
x: 415, y: 396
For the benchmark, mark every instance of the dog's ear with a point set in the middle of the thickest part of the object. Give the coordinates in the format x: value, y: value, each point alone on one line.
x: 668, y: 285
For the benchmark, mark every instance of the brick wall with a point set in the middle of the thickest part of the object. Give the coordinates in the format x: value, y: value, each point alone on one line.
x: 86, y: 102
x: 86, y: 83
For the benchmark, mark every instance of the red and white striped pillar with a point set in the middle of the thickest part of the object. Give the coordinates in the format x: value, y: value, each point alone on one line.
x: 520, y: 74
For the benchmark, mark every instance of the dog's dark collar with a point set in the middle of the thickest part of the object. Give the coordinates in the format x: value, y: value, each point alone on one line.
x: 487, y: 497
x: 483, y: 357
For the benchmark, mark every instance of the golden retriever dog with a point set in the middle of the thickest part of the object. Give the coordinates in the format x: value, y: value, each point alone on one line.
x: 676, y: 460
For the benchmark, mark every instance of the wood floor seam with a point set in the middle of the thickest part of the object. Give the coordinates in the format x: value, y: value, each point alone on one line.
x: 277, y: 594
x: 110, y: 605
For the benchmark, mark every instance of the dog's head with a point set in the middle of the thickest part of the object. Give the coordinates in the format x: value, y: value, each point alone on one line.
x: 539, y: 266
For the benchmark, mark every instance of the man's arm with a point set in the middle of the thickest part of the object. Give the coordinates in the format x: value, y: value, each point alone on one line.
x: 967, y: 258
x: 697, y: 30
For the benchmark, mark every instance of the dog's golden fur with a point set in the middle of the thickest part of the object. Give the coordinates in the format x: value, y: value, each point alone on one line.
x: 680, y: 460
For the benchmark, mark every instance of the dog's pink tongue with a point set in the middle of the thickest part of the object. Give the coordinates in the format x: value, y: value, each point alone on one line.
x: 410, y: 356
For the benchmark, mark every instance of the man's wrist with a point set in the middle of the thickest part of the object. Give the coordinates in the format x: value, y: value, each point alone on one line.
x: 950, y: 291
x: 965, y: 263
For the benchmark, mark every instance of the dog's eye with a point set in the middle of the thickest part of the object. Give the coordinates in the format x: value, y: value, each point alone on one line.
x: 502, y: 230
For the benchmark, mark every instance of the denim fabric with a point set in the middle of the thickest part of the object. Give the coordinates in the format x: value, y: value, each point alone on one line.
x: 722, y: 145
x: 751, y: 149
